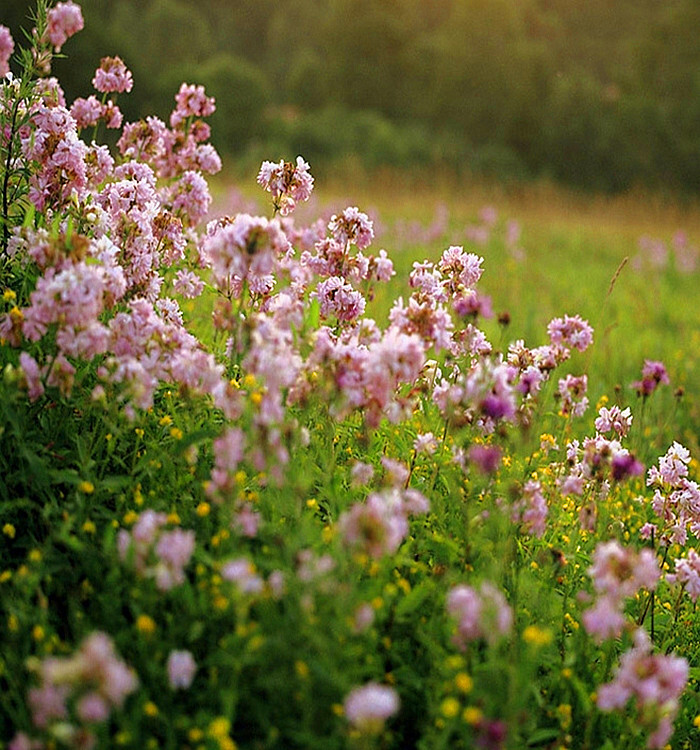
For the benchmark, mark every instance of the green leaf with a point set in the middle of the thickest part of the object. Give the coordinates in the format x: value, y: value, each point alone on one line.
x: 196, y: 437
x: 313, y: 314
x: 542, y: 736
x: 414, y: 599
x: 29, y: 215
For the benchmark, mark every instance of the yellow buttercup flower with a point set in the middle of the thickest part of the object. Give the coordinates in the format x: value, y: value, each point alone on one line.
x: 449, y: 708
x: 145, y: 624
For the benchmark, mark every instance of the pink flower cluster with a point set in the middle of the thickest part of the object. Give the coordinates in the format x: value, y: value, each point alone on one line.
x: 352, y: 227
x: 63, y: 20
x: 570, y: 331
x: 112, y: 76
x: 598, y: 460
x: 367, y: 368
x: 379, y: 525
x: 180, y: 148
x: 653, y: 683
x: 94, y: 681
x: 368, y: 707
x: 571, y: 392
x: 654, y: 374
x: 676, y: 500
x: 618, y: 573
x: 181, y: 668
x: 155, y: 553
x: 688, y: 573
x: 60, y: 157
x: 288, y: 183
x: 614, y: 420
x: 655, y: 254
x: 7, y: 47
x: 481, y: 613
x: 245, y: 248
x: 530, y: 510
x: 483, y: 396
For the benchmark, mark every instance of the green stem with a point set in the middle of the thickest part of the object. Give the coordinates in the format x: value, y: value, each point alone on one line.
x: 6, y: 179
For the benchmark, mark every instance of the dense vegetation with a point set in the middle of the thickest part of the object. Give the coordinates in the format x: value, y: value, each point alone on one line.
x: 595, y: 93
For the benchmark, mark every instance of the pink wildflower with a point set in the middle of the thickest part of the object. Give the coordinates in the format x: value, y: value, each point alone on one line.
x: 571, y: 331
x: 63, y: 20
x: 614, y: 419
x: 352, y: 227
x: 604, y: 620
x: 48, y: 703
x: 191, y: 101
x: 531, y: 509
x: 174, y: 550
x: 7, y: 46
x: 96, y: 667
x: 369, y: 706
x: 361, y: 473
x: 654, y: 374
x: 572, y: 392
x: 188, y: 284
x: 618, y: 573
x: 86, y: 112
x: 688, y: 573
x: 92, y: 707
x: 482, y: 613
x: 340, y: 299
x: 378, y: 526
x: 621, y: 572
x: 190, y: 197
x: 288, y: 183
x: 654, y: 682
x: 463, y: 269
x: 426, y: 443
x: 32, y: 376
x: 112, y: 76
x: 242, y: 572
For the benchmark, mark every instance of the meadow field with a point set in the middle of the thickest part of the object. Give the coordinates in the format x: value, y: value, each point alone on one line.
x: 363, y: 460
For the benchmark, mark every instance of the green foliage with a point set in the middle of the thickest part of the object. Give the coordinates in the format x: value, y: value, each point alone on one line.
x: 596, y: 95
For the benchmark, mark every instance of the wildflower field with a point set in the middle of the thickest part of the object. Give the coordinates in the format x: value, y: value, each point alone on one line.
x: 283, y: 472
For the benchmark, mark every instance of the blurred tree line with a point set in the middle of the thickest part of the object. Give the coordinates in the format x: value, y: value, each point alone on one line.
x: 597, y: 93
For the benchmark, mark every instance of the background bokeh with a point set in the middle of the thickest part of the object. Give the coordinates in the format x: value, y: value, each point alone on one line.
x: 597, y: 94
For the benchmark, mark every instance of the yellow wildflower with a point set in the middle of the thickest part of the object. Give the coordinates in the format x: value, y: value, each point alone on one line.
x: 145, y: 624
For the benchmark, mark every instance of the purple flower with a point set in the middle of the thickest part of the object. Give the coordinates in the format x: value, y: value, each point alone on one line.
x: 654, y: 374
x: 626, y: 465
x: 487, y: 458
x: 181, y: 669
